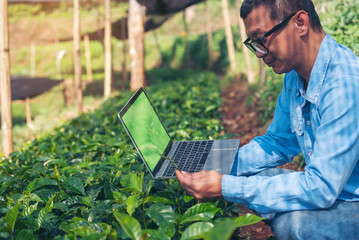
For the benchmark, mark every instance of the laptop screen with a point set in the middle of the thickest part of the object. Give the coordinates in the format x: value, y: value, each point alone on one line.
x: 146, y: 129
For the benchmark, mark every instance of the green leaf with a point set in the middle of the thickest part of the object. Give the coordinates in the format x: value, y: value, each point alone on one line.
x: 247, y: 219
x: 129, y: 224
x: 158, y: 199
x: 42, y: 215
x: 39, y: 167
x: 25, y: 234
x: 87, y: 201
x: 161, y: 214
x: 119, y: 197
x: 224, y: 229
x: 210, y: 108
x: 31, y: 186
x: 108, y: 191
x: 154, y: 234
x: 187, y: 198
x: 29, y: 210
x: 132, y: 181
x: 6, y: 184
x: 45, y: 182
x: 132, y: 203
x: 11, y: 216
x: 199, y: 212
x: 35, y: 197
x: 83, y: 231
x: 182, y: 133
x: 75, y: 185
x: 196, y: 230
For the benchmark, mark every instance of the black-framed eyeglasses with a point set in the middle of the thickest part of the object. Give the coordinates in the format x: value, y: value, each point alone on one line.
x: 257, y: 44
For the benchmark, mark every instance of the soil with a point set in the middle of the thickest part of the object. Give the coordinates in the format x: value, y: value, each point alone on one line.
x: 243, y: 119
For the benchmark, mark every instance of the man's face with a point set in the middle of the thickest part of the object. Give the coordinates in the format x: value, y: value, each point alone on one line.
x: 282, y: 53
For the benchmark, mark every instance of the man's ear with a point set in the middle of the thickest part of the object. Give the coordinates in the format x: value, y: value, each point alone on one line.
x: 302, y: 23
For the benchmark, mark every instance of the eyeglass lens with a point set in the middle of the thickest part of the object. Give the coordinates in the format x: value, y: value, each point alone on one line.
x: 259, y: 48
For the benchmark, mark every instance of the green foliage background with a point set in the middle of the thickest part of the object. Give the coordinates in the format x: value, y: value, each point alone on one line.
x: 86, y: 180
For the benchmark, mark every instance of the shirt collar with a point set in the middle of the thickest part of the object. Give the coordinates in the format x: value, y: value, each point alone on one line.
x: 320, y: 68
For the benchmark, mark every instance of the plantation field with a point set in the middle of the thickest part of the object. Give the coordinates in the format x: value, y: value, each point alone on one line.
x: 86, y: 180
x: 75, y: 177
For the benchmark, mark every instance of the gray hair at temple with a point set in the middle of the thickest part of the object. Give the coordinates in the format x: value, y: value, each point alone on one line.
x: 280, y: 9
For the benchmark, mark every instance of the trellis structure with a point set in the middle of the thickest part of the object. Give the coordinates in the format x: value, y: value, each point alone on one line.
x: 157, y: 7
x: 5, y: 84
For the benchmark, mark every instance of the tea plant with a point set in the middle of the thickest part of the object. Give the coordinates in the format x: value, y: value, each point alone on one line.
x: 85, y: 180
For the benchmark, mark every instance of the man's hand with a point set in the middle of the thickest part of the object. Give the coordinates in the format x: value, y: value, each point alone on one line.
x: 204, y: 185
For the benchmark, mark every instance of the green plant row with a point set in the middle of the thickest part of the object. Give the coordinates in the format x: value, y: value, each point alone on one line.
x: 85, y: 180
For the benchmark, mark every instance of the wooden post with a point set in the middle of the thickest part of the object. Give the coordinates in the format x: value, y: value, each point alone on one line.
x: 250, y: 73
x: 136, y: 32
x: 5, y: 82
x: 28, y: 112
x: 186, y: 33
x: 88, y: 59
x: 33, y: 59
x: 108, y: 55
x: 124, y: 54
x: 209, y: 35
x: 229, y: 36
x: 77, y: 56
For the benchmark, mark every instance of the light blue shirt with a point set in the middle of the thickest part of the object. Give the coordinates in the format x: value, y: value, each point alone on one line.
x: 322, y: 122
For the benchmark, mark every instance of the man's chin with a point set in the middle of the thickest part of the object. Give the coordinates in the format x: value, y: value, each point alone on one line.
x: 279, y: 70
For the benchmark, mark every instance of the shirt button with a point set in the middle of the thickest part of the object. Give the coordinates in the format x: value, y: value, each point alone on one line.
x: 308, y: 123
x: 309, y: 153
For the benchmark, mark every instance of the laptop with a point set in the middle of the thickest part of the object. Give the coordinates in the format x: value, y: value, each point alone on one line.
x: 161, y: 154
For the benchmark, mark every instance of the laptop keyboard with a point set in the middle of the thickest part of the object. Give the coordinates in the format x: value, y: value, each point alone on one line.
x: 189, y: 156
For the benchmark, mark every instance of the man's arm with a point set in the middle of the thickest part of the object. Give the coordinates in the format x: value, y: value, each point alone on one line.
x: 263, y: 152
x: 277, y: 146
x: 334, y: 158
x: 329, y: 169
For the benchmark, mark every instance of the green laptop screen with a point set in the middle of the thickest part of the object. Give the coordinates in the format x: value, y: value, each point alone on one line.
x: 146, y: 130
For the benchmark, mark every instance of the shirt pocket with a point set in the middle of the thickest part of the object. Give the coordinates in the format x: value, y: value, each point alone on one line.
x: 297, y: 125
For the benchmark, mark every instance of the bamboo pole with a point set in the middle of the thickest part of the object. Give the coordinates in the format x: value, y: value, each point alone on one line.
x: 136, y: 32
x: 108, y: 55
x: 124, y: 53
x: 209, y: 35
x: 250, y: 73
x: 32, y: 74
x: 88, y: 59
x: 33, y: 59
x: 28, y: 112
x: 77, y: 56
x: 5, y: 82
x: 229, y: 35
x: 186, y: 33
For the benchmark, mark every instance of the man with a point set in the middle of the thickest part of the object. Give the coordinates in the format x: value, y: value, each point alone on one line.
x: 317, y: 113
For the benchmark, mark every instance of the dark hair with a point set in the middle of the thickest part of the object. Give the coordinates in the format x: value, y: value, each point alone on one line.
x: 282, y: 8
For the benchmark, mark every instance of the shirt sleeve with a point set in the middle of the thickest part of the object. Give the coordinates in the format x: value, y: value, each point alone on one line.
x: 335, y: 155
x: 276, y: 147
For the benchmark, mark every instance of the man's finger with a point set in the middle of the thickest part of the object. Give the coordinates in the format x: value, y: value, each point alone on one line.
x: 179, y: 175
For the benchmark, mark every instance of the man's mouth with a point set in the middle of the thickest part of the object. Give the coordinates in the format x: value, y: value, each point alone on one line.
x: 270, y: 64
